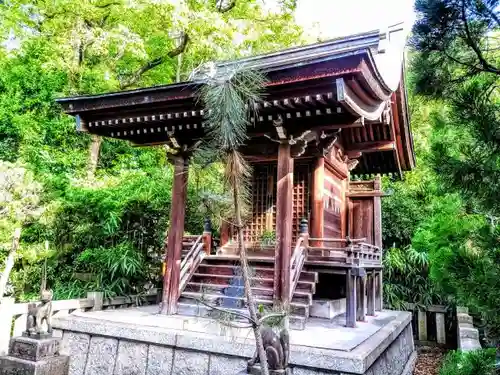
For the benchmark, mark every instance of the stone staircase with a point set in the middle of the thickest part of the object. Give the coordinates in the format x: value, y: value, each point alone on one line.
x: 218, y: 282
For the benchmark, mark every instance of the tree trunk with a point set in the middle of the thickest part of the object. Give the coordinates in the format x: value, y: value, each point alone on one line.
x: 95, y: 147
x: 9, y: 262
x: 248, y: 289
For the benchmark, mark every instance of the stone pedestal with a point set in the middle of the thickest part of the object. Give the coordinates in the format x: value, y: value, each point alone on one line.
x: 32, y: 356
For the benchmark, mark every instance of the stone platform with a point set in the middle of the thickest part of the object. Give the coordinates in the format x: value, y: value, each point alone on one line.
x: 139, y: 341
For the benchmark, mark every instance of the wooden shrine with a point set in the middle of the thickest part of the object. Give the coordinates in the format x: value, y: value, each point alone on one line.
x: 334, y: 118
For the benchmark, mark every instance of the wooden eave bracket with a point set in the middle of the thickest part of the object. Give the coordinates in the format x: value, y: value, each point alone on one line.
x: 173, y: 140
x: 280, y: 130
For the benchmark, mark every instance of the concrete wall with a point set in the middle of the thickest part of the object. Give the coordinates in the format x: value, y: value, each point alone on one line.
x: 100, y: 348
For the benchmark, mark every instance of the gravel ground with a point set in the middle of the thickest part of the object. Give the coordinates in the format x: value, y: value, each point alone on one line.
x: 428, y: 360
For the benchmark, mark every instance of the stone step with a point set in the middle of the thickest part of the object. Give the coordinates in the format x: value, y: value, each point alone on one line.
x: 196, y: 309
x: 261, y: 292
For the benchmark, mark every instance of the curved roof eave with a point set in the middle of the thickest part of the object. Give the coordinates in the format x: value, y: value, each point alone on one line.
x: 388, y: 60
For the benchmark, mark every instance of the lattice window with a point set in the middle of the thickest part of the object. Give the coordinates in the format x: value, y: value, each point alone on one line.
x: 263, y: 193
x: 263, y: 208
x: 301, y: 184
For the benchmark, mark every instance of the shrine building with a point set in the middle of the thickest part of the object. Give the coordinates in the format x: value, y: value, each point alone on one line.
x: 334, y: 118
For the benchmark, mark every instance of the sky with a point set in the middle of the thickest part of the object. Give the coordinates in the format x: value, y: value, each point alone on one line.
x: 334, y: 18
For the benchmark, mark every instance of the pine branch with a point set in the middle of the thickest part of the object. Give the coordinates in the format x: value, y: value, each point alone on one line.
x: 486, y: 66
x: 151, y: 64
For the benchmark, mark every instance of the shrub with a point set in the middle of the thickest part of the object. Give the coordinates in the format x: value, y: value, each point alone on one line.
x: 478, y: 362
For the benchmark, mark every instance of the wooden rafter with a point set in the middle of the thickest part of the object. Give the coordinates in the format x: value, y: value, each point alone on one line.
x: 366, y: 147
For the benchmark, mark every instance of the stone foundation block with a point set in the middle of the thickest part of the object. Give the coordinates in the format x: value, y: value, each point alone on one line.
x: 159, y: 360
x: 190, y: 363
x: 131, y: 359
x: 224, y: 365
x: 76, y: 344
x: 102, y: 356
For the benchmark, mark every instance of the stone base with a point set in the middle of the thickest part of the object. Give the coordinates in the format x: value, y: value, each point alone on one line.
x: 50, y: 366
x: 32, y: 349
x: 327, y: 309
x: 130, y: 341
x: 29, y: 356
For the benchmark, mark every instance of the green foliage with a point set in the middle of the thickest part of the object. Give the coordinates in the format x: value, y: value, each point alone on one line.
x: 228, y: 95
x: 469, y: 363
x: 464, y: 254
x: 406, y: 273
x: 114, y: 270
x: 108, y: 233
x: 268, y: 238
x: 457, y: 40
x: 457, y: 62
x: 465, y: 144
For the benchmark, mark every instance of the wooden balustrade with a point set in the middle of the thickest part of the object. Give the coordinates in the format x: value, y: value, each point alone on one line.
x: 354, y: 252
x: 297, y: 263
x: 190, y: 262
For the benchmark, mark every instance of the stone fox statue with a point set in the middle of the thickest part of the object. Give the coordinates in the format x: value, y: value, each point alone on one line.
x: 277, y: 349
x: 38, y: 314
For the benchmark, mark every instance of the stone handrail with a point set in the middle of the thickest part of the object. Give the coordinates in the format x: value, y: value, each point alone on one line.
x: 13, y: 316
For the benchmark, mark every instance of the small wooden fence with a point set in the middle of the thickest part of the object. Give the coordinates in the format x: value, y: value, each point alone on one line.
x: 434, y: 325
x: 13, y: 316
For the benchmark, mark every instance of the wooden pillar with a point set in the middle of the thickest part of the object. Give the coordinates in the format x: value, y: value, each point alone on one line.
x: 350, y: 316
x: 175, y: 234
x: 370, y: 291
x: 379, y: 288
x: 361, y: 301
x: 317, y: 206
x: 377, y: 215
x: 224, y: 233
x: 284, y: 222
x: 207, y: 236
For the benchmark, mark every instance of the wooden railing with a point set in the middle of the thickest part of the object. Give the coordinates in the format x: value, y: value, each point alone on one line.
x: 354, y: 251
x: 366, y: 254
x: 297, y: 263
x: 13, y: 316
x: 190, y: 263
